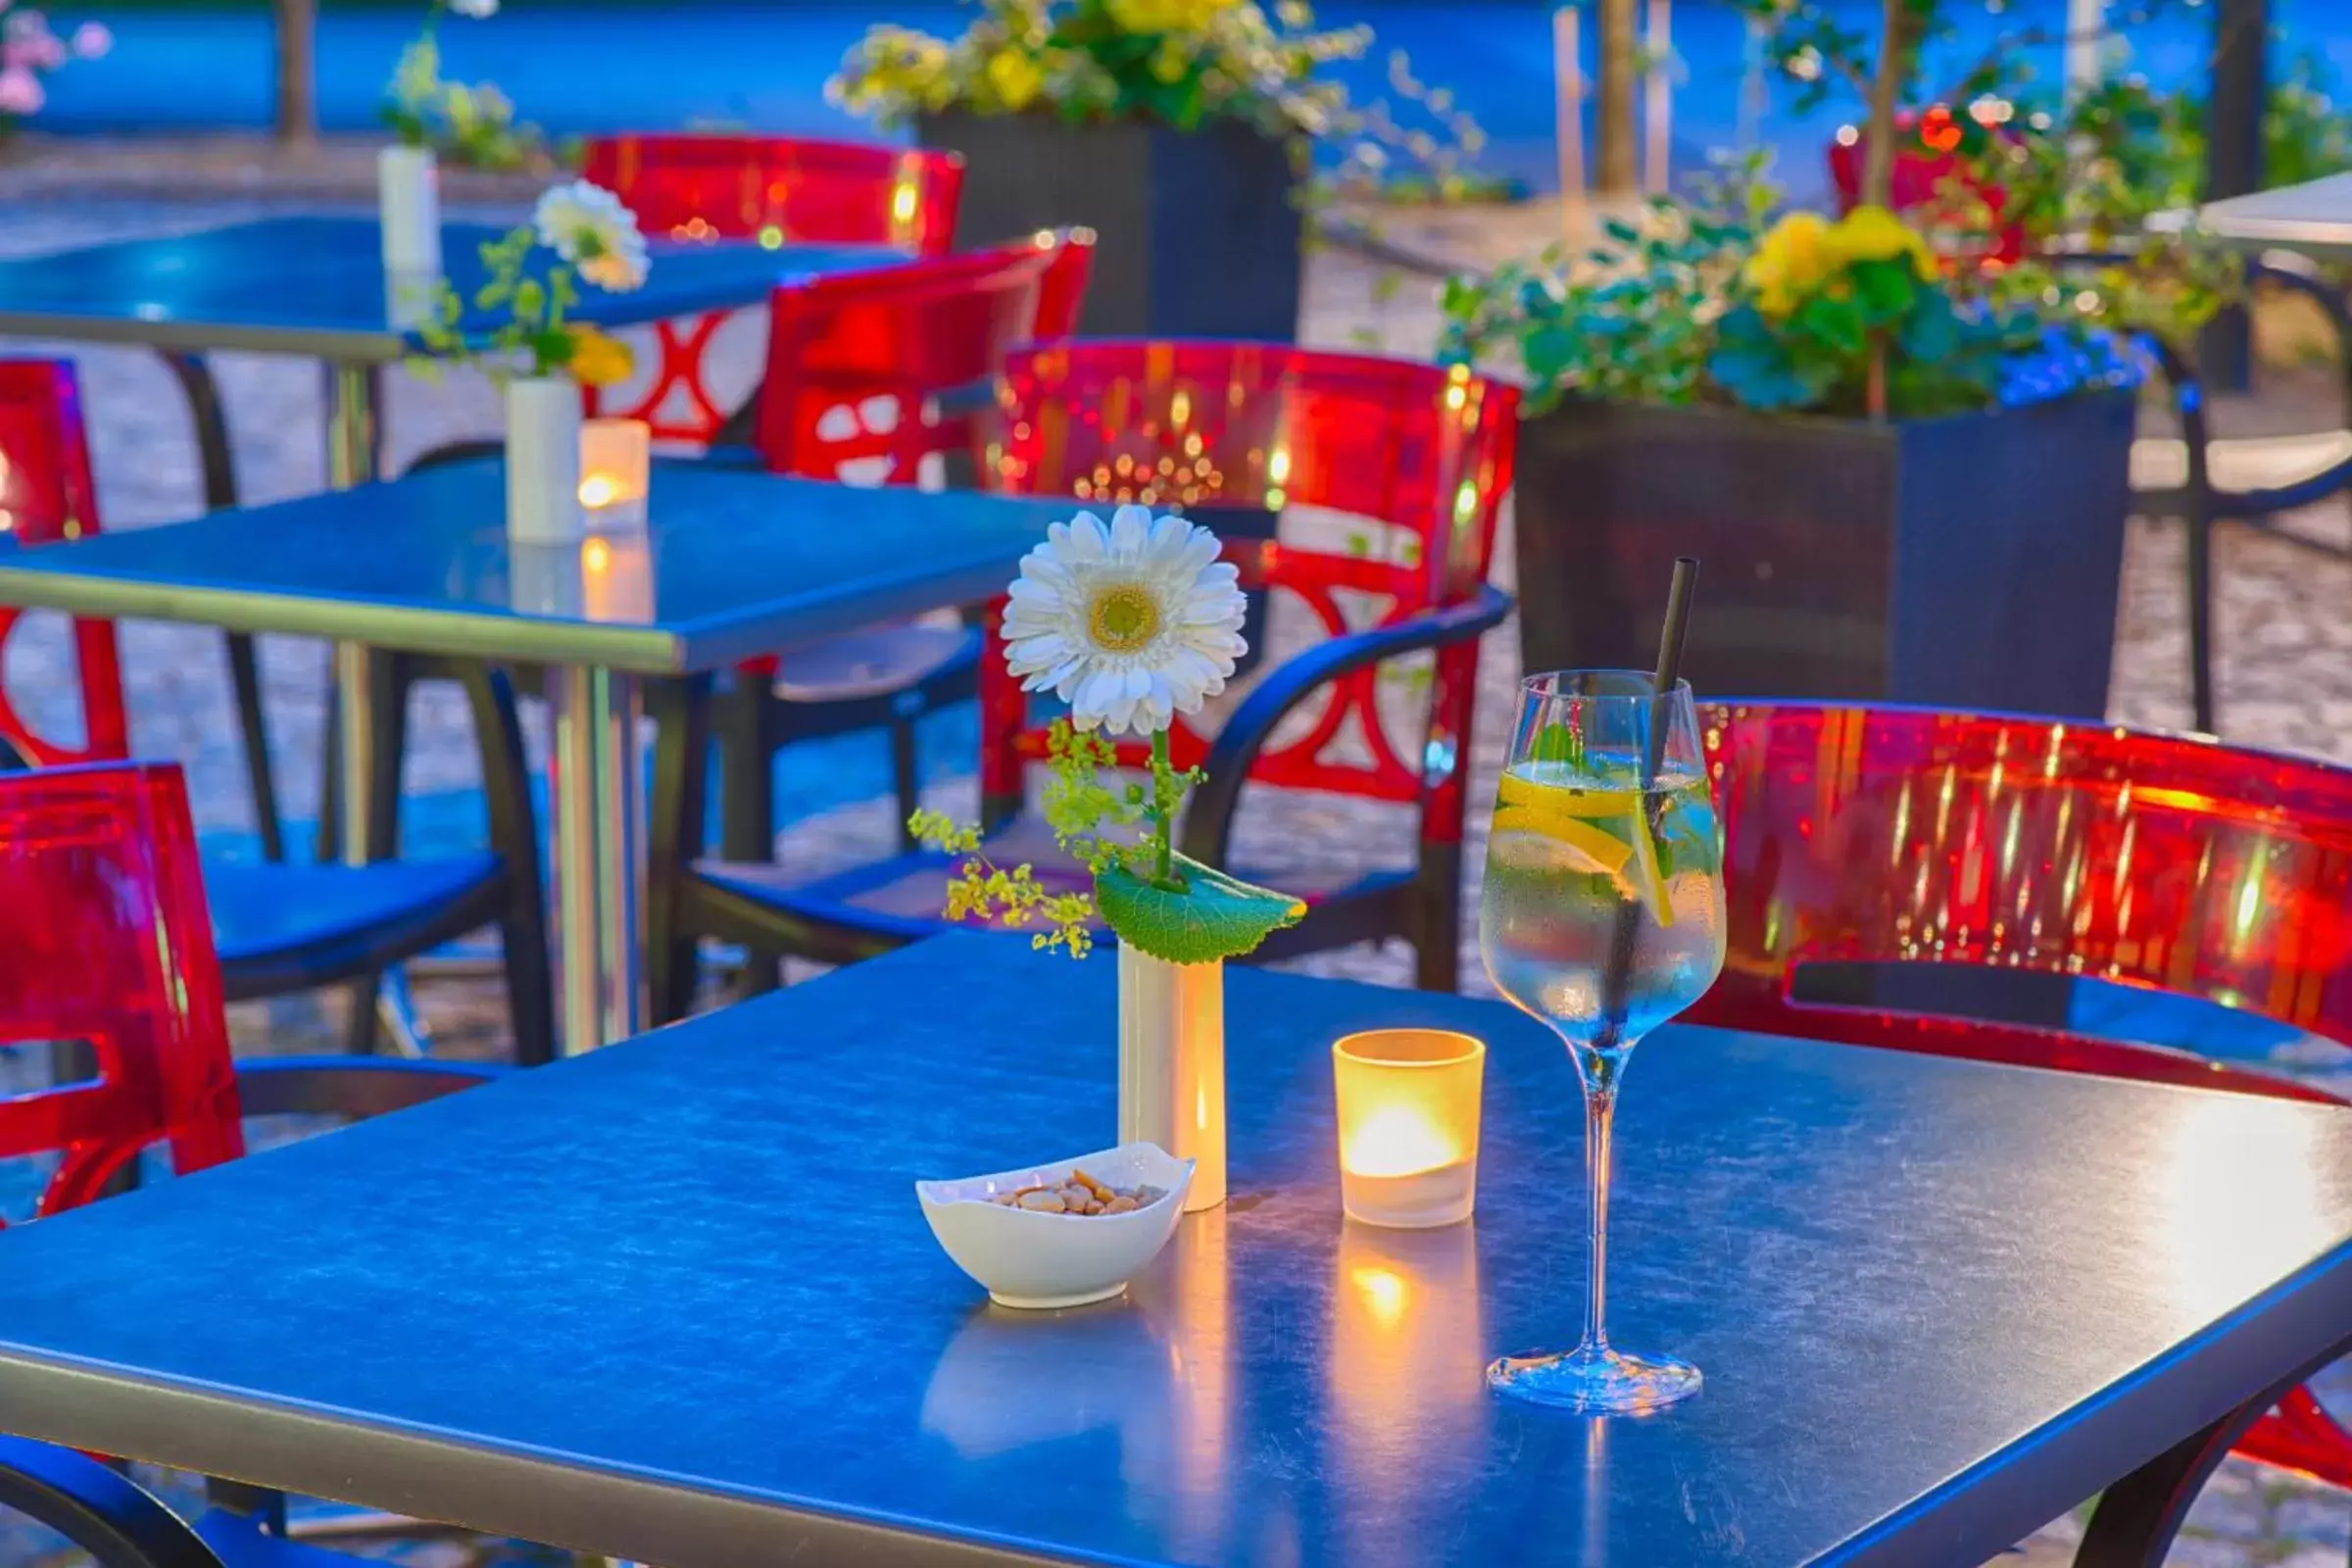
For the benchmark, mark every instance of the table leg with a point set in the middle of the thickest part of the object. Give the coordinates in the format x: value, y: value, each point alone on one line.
x: 595, y: 795
x: 352, y: 449
x: 2135, y: 1519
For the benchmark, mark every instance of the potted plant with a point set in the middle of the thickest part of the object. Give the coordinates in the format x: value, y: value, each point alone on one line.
x: 1176, y: 129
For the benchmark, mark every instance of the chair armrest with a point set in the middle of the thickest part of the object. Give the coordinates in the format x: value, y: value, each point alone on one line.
x: 1209, y: 818
x: 98, y: 1511
x: 351, y: 1087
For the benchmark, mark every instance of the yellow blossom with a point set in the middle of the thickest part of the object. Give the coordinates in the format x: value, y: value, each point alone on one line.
x: 1165, y: 15
x: 1015, y: 77
x: 598, y: 359
x: 1170, y: 61
x: 1870, y: 233
x: 1790, y: 261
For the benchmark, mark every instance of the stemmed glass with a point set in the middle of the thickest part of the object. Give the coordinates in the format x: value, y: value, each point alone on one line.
x: 1602, y: 917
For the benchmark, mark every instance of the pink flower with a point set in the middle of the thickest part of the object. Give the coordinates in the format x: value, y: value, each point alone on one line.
x: 92, y: 39
x: 48, y: 51
x: 19, y: 92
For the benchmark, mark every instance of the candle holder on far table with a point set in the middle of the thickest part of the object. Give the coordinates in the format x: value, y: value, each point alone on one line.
x: 615, y: 470
x: 1408, y: 1115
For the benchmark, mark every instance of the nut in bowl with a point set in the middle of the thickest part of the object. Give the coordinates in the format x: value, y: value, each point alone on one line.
x: 1048, y: 1236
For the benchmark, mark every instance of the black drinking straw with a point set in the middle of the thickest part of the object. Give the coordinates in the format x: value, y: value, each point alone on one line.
x: 1618, y: 976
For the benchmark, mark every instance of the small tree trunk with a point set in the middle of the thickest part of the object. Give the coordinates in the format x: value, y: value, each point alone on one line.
x: 1886, y: 90
x: 1617, y: 128
x: 296, y: 71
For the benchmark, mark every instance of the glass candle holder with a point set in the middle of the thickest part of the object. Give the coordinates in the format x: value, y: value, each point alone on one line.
x: 615, y: 464
x: 1408, y: 1104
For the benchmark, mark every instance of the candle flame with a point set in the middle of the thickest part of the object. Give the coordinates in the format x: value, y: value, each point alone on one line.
x: 1400, y: 1141
x: 599, y: 490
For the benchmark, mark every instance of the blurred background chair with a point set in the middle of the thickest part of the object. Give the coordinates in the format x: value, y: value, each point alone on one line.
x: 777, y: 190
x: 1903, y: 836
x: 281, y: 927
x: 104, y: 942
x: 1388, y: 478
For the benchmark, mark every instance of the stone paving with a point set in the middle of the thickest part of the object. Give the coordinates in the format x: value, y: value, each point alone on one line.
x: 2285, y: 681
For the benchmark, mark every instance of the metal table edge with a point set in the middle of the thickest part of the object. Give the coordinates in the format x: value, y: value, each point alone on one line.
x: 2302, y: 1322
x: 469, y: 634
x: 436, y: 1475
x: 199, y: 337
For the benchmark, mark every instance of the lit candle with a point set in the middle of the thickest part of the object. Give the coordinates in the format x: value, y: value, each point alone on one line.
x: 1408, y: 1125
x: 615, y: 459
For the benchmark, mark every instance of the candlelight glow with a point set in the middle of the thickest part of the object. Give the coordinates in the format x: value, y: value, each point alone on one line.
x: 615, y: 461
x: 1408, y: 1104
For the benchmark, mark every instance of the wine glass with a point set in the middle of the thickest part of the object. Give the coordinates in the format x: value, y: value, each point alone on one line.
x: 1603, y: 916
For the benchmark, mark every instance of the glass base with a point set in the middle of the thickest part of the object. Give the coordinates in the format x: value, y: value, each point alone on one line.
x: 1595, y: 1382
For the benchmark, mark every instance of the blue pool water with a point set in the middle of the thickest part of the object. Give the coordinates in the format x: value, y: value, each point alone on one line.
x: 764, y: 67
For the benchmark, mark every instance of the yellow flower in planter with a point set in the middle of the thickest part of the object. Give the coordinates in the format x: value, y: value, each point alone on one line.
x: 1164, y: 16
x: 1793, y: 258
x: 1015, y: 77
x: 599, y: 360
x: 1870, y: 233
x: 1170, y: 61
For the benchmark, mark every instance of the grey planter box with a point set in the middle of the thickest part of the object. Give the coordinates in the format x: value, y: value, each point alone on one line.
x: 1198, y: 232
x: 1970, y: 561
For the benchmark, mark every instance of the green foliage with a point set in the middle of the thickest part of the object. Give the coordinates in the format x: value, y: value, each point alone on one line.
x: 1630, y: 321
x: 1124, y: 834
x: 531, y: 332
x: 467, y: 126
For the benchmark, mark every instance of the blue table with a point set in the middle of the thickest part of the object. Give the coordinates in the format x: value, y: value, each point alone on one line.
x: 674, y: 1301
x: 315, y: 287
x: 733, y: 561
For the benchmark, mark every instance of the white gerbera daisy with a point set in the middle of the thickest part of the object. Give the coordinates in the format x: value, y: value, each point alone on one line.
x: 1129, y: 624
x: 475, y: 9
x: 588, y: 226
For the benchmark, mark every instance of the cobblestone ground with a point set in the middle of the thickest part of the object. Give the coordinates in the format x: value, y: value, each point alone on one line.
x: 2283, y: 677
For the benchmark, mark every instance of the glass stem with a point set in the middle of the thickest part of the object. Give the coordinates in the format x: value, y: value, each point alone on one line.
x: 1601, y: 1113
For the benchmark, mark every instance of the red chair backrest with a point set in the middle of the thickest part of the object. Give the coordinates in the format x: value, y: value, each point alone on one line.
x: 853, y: 359
x: 1896, y: 835
x: 1927, y: 157
x: 783, y: 189
x: 104, y: 938
x: 46, y: 496
x: 1417, y: 456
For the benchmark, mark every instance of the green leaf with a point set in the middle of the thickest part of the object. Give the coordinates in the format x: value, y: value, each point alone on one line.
x: 1214, y: 916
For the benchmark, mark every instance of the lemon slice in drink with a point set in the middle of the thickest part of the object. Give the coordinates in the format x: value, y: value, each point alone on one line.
x: 1562, y: 809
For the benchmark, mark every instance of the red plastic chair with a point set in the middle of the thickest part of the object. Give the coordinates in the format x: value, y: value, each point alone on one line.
x: 282, y: 928
x: 1890, y: 835
x: 104, y: 939
x: 1417, y: 458
x: 777, y: 190
x: 1927, y: 155
x: 47, y: 494
x: 859, y: 368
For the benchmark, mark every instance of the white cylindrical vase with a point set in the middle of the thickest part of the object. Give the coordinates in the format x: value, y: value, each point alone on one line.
x: 408, y: 194
x: 1172, y: 1065
x: 543, y: 461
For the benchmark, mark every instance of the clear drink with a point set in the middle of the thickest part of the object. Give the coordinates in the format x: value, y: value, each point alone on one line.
x: 1585, y: 867
x: 1604, y: 917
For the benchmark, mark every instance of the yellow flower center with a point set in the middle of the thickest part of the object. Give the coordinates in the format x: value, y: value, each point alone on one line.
x: 1123, y: 618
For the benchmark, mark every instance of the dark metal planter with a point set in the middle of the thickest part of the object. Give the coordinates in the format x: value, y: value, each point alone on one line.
x: 1198, y: 232
x: 1970, y: 561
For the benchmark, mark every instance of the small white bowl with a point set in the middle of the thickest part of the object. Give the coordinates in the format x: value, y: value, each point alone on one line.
x: 1028, y: 1259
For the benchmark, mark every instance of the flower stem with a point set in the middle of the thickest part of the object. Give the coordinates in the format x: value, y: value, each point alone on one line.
x: 1164, y: 799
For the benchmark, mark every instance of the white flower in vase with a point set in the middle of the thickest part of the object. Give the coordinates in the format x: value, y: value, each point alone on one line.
x: 1129, y: 624
x: 591, y: 229
x: 474, y: 10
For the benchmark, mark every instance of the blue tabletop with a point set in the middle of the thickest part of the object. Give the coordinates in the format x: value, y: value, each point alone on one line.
x: 676, y: 1301
x: 316, y: 286
x: 733, y: 561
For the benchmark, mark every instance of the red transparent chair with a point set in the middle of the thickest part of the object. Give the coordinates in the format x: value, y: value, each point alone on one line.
x: 1897, y: 836
x: 777, y: 190
x: 857, y: 367
x: 1388, y: 478
x: 281, y: 927
x: 104, y: 944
